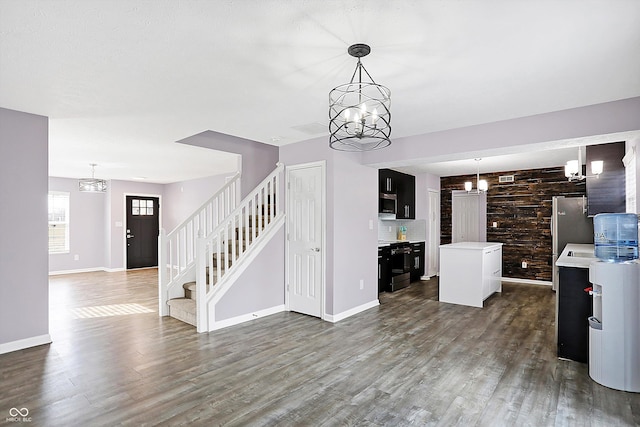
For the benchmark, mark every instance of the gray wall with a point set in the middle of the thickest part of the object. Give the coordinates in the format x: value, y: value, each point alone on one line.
x: 544, y: 130
x: 86, y: 228
x: 24, y: 285
x: 96, y: 237
x: 258, y: 159
x: 181, y: 199
x: 260, y: 286
x: 351, y: 247
x: 116, y: 220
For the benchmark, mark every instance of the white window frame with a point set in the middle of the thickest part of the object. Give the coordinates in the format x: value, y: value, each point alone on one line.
x: 63, y: 198
x: 629, y: 161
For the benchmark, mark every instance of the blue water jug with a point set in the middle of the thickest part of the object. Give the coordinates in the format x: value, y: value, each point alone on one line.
x: 616, y: 237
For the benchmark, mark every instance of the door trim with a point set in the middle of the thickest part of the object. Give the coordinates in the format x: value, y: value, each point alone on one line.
x: 434, y: 239
x: 323, y: 231
x: 124, y: 226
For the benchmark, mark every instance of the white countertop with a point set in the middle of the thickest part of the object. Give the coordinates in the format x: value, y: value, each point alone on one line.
x: 583, y: 255
x: 470, y: 245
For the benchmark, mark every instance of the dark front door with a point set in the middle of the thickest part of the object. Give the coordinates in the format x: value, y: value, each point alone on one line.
x: 142, y: 231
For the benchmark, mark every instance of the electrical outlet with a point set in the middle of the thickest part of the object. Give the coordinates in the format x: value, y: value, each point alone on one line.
x: 495, y: 225
x: 524, y: 264
x: 361, y: 284
x: 76, y: 257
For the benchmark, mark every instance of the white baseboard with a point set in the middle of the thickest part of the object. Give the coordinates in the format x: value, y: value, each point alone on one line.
x: 86, y: 270
x: 24, y: 343
x: 247, y: 317
x: 78, y: 270
x: 527, y: 281
x: 355, y: 310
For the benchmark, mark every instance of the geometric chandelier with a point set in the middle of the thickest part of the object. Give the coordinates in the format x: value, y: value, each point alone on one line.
x: 359, y: 111
x: 92, y: 185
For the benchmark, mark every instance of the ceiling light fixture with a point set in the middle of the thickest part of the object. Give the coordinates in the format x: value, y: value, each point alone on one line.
x: 359, y: 111
x: 93, y: 184
x: 482, y: 185
x: 573, y: 168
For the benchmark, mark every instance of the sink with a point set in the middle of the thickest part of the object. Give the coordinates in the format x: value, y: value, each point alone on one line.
x: 581, y: 254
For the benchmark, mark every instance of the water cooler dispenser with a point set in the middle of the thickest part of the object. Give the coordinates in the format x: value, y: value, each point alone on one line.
x: 614, y: 328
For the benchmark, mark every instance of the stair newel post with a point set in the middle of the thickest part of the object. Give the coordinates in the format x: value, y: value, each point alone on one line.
x: 163, y: 308
x: 201, y: 281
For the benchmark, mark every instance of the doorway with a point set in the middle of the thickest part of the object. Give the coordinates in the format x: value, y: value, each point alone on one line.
x: 143, y: 225
x: 305, y: 238
x: 433, y: 196
x: 469, y: 217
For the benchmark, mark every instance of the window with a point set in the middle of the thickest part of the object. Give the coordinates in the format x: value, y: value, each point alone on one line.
x: 58, y: 222
x: 629, y: 161
x: 141, y: 207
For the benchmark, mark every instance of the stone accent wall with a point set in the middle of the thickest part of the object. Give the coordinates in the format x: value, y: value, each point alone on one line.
x: 522, y: 211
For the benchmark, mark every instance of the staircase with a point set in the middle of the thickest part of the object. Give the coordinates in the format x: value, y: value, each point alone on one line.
x: 202, y: 260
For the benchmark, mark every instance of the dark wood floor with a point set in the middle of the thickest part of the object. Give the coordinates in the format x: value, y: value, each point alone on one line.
x: 410, y: 361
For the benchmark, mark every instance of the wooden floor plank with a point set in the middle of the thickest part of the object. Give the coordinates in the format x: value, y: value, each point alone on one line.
x: 410, y: 361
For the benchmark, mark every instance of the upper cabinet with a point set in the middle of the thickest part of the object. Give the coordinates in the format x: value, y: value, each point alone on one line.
x: 403, y: 186
x: 606, y: 192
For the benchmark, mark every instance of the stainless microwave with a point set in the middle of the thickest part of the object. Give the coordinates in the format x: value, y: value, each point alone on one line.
x: 388, y: 205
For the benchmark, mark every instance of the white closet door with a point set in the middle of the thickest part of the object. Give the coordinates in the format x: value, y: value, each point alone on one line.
x: 468, y: 217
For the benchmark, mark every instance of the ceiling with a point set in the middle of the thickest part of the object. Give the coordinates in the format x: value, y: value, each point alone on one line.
x: 122, y: 80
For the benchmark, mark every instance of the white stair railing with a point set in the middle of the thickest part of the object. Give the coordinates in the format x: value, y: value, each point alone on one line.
x: 177, y: 249
x: 234, y: 237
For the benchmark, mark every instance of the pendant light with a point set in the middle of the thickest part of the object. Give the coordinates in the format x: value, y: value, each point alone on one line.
x: 481, y: 184
x: 359, y: 111
x: 93, y: 184
x: 573, y: 168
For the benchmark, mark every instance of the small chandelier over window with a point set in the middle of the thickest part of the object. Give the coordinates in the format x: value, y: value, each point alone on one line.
x: 359, y: 111
x: 482, y: 185
x: 93, y: 184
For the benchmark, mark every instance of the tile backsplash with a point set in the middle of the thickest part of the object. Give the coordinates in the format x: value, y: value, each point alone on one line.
x: 416, y: 229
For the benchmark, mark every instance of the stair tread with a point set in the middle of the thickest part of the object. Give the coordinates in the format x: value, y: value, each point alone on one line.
x: 185, y: 304
x: 191, y: 286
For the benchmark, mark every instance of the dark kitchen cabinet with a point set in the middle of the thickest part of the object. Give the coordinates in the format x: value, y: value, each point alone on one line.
x: 574, y: 307
x: 417, y: 261
x: 404, y: 187
x: 407, y: 197
x: 387, y: 180
x: 606, y: 193
x: 384, y: 268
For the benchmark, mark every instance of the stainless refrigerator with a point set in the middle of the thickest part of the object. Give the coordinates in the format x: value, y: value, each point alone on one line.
x: 569, y: 224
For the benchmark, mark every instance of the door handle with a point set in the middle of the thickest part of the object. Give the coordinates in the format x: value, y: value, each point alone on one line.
x: 315, y: 249
x: 129, y: 236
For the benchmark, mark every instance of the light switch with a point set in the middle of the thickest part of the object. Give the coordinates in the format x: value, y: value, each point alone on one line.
x: 118, y: 223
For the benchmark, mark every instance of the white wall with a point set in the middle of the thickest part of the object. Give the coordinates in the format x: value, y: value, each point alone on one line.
x: 24, y: 286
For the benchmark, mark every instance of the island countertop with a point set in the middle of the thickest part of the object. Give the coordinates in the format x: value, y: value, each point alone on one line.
x: 470, y: 245
x: 576, y: 255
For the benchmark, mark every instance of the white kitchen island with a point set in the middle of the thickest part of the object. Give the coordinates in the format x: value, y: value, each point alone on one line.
x: 470, y: 272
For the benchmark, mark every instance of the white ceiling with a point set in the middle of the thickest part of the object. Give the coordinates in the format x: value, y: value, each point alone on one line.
x: 122, y: 80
